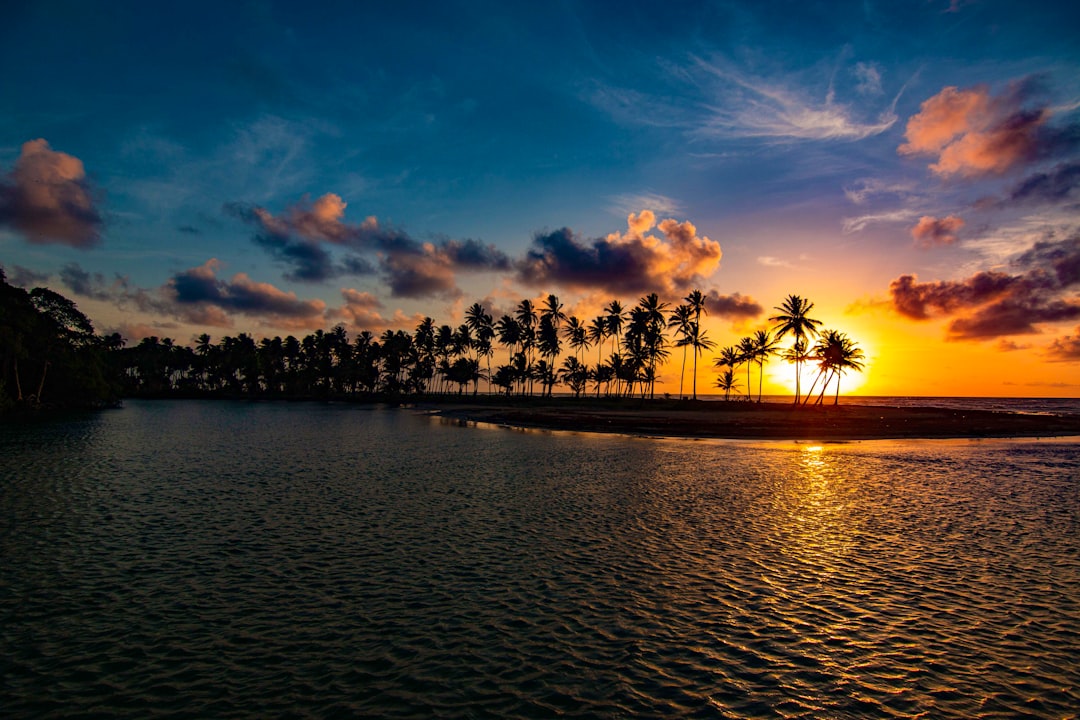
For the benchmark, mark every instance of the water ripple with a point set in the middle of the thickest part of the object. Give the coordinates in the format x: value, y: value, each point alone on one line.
x: 244, y: 560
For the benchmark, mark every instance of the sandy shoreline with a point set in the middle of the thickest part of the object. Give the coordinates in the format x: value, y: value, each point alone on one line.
x: 766, y: 421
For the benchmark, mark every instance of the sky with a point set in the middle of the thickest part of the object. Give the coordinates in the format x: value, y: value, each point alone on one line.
x: 912, y: 168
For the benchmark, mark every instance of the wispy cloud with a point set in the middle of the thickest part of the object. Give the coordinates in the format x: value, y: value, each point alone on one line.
x: 627, y: 203
x: 864, y: 189
x: 857, y: 224
x: 745, y: 106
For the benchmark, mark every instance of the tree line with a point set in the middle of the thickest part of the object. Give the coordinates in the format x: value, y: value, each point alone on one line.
x: 52, y: 356
x: 544, y: 348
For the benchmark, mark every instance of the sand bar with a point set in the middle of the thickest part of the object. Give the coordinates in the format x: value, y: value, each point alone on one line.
x: 753, y: 421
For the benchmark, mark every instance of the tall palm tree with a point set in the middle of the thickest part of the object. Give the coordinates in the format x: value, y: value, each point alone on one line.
x: 480, y: 323
x: 577, y: 334
x: 508, y: 331
x: 650, y: 345
x: 597, y: 332
x: 764, y: 348
x: 794, y: 319
x: 747, y: 354
x: 682, y: 319
x: 616, y: 317
x: 836, y: 353
x: 553, y: 309
x: 696, y: 300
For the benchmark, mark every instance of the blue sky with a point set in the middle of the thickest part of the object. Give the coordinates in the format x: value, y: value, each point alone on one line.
x: 246, y: 166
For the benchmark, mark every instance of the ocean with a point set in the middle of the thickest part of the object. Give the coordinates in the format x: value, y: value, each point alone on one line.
x: 182, y: 559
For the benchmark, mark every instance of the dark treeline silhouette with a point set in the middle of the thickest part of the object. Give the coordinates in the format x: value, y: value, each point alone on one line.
x: 544, y: 348
x: 49, y: 354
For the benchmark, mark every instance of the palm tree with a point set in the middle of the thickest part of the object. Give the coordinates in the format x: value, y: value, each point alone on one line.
x: 681, y: 320
x: 481, y: 324
x: 597, y: 333
x: 616, y: 317
x: 577, y: 335
x: 747, y: 354
x: 764, y: 348
x: 574, y: 374
x: 794, y: 318
x: 553, y: 309
x: 645, y: 336
x: 696, y: 301
x: 727, y: 382
x: 508, y: 331
x: 837, y: 353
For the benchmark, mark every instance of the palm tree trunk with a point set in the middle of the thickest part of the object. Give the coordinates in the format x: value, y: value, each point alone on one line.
x: 18, y: 385
x: 682, y: 373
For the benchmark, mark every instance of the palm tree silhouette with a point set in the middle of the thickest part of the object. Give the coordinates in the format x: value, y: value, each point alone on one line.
x: 696, y: 301
x: 794, y: 318
x: 747, y: 354
x: 836, y: 353
x: 682, y: 319
x: 727, y: 382
x: 764, y: 348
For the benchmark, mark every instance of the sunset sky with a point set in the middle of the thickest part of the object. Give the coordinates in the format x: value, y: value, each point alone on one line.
x: 913, y: 168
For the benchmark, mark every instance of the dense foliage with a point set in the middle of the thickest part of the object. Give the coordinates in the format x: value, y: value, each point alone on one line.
x: 50, y: 355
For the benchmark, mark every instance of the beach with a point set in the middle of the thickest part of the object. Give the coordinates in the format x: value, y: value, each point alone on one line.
x: 741, y: 420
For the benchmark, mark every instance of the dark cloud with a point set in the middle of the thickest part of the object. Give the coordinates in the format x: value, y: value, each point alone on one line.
x: 623, y: 263
x: 84, y: 283
x: 1062, y: 258
x: 47, y: 199
x: 735, y: 307
x: 1053, y: 186
x: 189, y: 230
x: 1065, y: 349
x: 1012, y: 316
x: 25, y: 277
x: 300, y: 236
x: 996, y: 304
x: 202, y: 297
x: 473, y: 254
x: 919, y: 301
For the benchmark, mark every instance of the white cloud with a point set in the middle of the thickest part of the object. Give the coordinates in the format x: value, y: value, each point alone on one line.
x: 744, y: 106
x: 862, y: 190
x: 627, y: 203
x: 857, y: 224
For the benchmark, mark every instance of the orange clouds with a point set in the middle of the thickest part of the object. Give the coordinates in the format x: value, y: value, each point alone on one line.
x: 931, y: 231
x: 973, y: 133
x: 47, y: 199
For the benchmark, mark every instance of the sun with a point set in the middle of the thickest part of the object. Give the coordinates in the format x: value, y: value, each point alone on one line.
x: 780, y: 376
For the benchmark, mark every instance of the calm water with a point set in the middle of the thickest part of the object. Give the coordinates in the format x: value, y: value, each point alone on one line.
x: 208, y: 559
